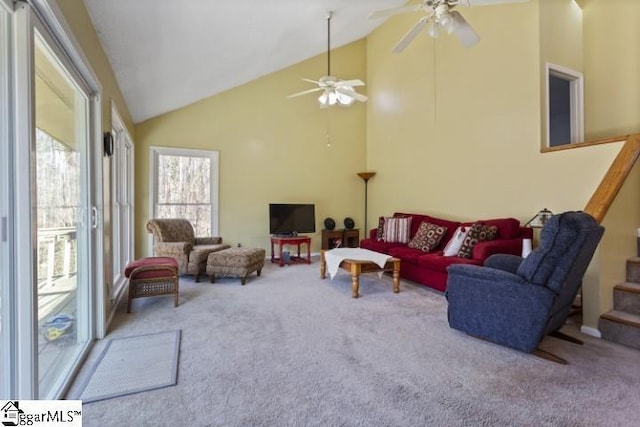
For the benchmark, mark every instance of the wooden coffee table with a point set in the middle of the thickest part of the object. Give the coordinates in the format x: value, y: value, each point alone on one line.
x: 355, y: 267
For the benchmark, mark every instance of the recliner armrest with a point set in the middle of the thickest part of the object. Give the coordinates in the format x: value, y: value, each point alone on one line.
x: 504, y: 262
x: 476, y: 272
x: 172, y: 248
x: 208, y: 240
x: 483, y: 250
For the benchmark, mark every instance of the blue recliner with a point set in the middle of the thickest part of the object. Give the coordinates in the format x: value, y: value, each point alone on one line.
x: 515, y: 302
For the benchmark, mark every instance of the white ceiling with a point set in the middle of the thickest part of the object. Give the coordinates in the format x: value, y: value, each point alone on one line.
x: 170, y: 53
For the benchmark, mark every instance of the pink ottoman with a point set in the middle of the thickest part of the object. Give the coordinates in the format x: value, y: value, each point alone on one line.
x: 152, y: 276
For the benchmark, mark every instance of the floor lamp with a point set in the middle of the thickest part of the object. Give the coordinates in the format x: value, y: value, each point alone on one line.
x: 366, y: 176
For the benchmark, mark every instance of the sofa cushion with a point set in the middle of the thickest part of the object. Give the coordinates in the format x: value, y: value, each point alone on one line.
x: 406, y: 254
x: 427, y: 237
x: 440, y: 263
x: 378, y: 246
x: 397, y: 229
x: 477, y: 233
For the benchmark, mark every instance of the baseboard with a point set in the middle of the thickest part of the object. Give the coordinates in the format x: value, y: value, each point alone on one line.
x: 592, y: 332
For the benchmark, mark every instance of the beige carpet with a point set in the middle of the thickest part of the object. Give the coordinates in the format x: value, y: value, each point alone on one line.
x: 289, y: 349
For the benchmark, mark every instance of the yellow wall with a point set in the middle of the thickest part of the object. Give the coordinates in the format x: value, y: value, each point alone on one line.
x: 456, y: 132
x: 272, y: 149
x: 612, y: 67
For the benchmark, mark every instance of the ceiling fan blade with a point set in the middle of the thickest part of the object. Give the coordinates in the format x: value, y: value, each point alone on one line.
x: 352, y: 83
x: 355, y: 95
x: 463, y: 31
x: 304, y: 92
x: 310, y: 81
x: 411, y: 34
x: 489, y: 2
x: 394, y: 11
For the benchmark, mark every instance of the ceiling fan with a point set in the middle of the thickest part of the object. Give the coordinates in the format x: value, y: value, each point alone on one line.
x: 439, y: 17
x: 334, y: 91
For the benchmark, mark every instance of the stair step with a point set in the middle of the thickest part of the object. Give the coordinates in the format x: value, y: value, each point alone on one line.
x: 633, y: 269
x: 628, y: 287
x: 621, y: 327
x: 626, y: 297
x: 623, y: 317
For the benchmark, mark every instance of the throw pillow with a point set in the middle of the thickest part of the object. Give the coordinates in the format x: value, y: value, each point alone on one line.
x: 396, y: 230
x: 477, y: 233
x: 380, y: 230
x: 427, y: 237
x: 456, y: 241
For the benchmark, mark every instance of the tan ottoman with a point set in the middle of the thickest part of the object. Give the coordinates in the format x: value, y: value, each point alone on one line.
x: 235, y: 262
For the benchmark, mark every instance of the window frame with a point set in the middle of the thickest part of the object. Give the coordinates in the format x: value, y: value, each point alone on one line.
x: 576, y: 101
x: 122, y: 203
x: 155, y: 152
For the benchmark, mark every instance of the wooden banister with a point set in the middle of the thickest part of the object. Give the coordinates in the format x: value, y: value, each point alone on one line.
x: 608, y: 189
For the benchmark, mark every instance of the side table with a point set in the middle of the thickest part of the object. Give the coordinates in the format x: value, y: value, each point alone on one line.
x: 284, y: 241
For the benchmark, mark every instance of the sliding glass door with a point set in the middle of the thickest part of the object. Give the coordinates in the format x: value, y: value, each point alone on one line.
x: 61, y: 201
x: 6, y: 311
x: 52, y: 224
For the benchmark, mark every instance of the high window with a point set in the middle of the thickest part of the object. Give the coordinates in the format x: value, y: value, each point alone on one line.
x: 565, y: 106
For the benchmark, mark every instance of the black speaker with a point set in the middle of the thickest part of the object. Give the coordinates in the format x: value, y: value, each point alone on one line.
x: 329, y: 223
x: 108, y: 144
x: 348, y: 223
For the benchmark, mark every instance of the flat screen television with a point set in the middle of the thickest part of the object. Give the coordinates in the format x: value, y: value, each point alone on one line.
x: 291, y: 218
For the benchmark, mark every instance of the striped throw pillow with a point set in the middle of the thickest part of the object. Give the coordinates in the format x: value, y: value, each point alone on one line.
x: 396, y: 230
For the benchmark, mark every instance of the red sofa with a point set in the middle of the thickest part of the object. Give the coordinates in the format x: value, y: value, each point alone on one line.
x: 430, y: 268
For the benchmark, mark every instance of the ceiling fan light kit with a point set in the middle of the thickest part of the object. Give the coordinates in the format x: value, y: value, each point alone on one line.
x: 439, y: 16
x: 334, y: 90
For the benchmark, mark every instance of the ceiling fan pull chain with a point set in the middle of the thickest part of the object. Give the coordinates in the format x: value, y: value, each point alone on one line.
x: 328, y: 135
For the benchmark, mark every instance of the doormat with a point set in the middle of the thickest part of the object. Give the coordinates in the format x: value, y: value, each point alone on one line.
x: 132, y: 365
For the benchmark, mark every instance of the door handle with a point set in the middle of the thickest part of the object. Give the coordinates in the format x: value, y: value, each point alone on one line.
x: 94, y: 217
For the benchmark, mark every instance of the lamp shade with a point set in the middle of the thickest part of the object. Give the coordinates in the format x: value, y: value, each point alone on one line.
x: 539, y: 219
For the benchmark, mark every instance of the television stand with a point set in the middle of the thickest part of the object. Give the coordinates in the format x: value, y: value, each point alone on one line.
x: 294, y: 240
x: 292, y: 234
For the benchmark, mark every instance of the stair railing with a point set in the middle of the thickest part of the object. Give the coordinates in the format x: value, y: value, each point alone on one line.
x: 615, y: 177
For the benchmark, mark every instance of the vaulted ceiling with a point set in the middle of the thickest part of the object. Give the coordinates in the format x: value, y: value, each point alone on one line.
x: 168, y: 54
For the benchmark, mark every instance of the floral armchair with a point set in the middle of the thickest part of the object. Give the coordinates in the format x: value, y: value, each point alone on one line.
x: 175, y: 238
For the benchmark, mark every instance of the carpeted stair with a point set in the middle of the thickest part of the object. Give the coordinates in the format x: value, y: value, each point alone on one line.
x: 622, y: 324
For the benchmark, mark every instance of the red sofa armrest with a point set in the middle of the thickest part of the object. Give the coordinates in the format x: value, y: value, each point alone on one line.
x: 483, y: 250
x: 373, y: 233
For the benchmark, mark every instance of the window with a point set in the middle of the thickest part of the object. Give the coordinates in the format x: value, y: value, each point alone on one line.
x: 185, y: 185
x: 565, y: 106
